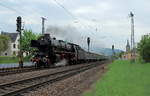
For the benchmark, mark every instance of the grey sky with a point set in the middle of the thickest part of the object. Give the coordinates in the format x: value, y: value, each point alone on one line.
x: 110, y: 17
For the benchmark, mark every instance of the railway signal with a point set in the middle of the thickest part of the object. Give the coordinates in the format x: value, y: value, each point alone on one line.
x: 113, y: 52
x: 18, y: 24
x: 112, y: 47
x: 19, y: 29
x: 88, y: 42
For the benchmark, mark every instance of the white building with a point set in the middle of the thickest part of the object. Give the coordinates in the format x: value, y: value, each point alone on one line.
x: 13, y: 48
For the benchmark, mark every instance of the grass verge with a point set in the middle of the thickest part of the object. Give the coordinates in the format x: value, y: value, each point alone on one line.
x: 123, y: 79
x: 7, y: 60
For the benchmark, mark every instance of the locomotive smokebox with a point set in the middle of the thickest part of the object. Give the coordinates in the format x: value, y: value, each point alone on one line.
x: 34, y: 43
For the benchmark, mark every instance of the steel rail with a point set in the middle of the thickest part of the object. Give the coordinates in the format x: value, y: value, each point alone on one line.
x: 6, y: 88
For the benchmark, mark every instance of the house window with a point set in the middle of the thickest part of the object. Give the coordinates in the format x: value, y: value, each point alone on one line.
x: 5, y: 54
x: 14, y: 45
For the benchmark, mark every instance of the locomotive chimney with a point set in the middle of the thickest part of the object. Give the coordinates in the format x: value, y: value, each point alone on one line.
x: 54, y: 38
x: 47, y: 36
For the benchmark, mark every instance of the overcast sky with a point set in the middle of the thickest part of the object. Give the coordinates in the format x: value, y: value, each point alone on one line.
x: 105, y: 21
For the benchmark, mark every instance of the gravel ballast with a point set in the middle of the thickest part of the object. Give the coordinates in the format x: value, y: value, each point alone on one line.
x: 26, y: 75
x: 73, y: 86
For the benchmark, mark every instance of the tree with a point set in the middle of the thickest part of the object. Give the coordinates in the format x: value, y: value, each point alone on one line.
x: 119, y: 55
x: 4, y: 43
x: 144, y: 48
x: 27, y: 36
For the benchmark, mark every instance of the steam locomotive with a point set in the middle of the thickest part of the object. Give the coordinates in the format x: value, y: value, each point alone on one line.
x: 49, y: 51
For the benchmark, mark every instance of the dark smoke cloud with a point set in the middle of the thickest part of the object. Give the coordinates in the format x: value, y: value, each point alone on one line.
x: 67, y: 33
x: 71, y: 34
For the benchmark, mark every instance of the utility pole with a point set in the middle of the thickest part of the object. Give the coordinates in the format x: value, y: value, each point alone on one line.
x: 19, y: 29
x: 132, y: 37
x: 43, y: 26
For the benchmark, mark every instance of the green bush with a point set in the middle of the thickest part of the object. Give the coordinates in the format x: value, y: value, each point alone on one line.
x: 144, y: 48
x: 27, y: 58
x: 4, y: 40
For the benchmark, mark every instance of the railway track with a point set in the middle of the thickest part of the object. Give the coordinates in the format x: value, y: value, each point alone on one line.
x: 9, y: 71
x: 17, y: 88
x: 17, y: 70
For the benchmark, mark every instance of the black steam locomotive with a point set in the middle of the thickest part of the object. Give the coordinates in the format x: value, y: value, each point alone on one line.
x: 49, y: 51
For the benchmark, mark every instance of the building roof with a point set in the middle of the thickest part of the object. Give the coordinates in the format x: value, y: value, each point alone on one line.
x: 13, y: 36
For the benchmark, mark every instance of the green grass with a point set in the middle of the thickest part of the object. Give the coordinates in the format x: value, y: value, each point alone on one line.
x: 123, y: 79
x: 4, y: 59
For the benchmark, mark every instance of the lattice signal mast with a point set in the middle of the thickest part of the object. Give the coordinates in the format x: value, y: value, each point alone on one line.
x: 132, y: 31
x: 132, y: 34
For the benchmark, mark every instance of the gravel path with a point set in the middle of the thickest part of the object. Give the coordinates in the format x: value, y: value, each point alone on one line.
x: 73, y: 86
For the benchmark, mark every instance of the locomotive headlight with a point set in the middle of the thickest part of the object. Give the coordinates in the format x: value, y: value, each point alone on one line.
x: 44, y: 59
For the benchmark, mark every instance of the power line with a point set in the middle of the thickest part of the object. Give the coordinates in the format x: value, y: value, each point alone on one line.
x: 81, y: 23
x: 62, y: 6
x: 65, y: 9
x: 87, y: 27
x: 12, y: 9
